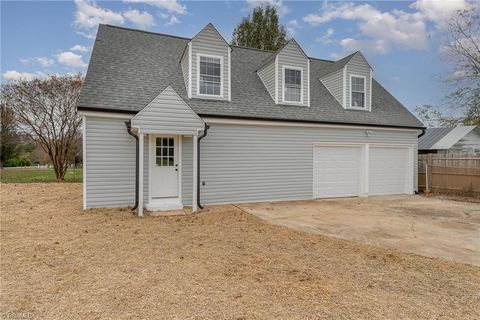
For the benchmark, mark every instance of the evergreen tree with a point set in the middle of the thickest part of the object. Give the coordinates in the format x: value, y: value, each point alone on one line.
x: 261, y: 30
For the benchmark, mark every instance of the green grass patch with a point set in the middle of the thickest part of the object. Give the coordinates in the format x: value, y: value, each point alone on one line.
x: 28, y: 175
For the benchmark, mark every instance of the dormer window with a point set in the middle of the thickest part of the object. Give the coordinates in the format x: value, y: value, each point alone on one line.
x: 357, y: 85
x: 292, y: 84
x: 210, y: 76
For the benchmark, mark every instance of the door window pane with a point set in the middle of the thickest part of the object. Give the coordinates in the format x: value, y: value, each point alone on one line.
x: 165, y: 152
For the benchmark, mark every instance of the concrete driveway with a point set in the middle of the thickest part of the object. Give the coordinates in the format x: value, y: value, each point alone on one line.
x: 426, y: 226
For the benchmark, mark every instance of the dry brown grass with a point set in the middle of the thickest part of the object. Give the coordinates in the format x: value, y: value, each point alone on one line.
x: 61, y: 262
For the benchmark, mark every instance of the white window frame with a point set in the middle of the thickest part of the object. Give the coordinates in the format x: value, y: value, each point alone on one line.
x: 198, y: 75
x: 283, y: 85
x: 349, y: 106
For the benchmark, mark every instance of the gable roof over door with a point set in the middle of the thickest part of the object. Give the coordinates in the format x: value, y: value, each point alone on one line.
x: 129, y: 67
x: 168, y: 114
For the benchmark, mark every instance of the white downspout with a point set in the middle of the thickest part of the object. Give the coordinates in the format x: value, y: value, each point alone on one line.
x: 195, y: 176
x: 140, y: 174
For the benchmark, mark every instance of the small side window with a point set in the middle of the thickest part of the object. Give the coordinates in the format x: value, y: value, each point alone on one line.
x: 357, y: 85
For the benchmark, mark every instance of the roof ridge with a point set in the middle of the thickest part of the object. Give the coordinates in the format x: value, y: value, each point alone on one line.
x: 327, y: 60
x: 249, y: 48
x: 186, y: 38
x: 145, y: 31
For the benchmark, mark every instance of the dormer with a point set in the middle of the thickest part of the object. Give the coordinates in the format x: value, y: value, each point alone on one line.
x: 206, y: 66
x: 349, y: 80
x: 286, y: 75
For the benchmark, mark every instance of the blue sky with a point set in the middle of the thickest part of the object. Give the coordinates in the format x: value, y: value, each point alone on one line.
x: 402, y: 40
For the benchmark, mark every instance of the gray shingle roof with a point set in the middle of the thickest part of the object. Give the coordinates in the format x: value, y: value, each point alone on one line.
x: 128, y: 68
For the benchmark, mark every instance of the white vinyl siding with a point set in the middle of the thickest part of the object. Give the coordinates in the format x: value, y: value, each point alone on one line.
x: 248, y: 163
x: 334, y: 83
x: 110, y: 163
x: 357, y: 66
x: 209, y: 42
x: 267, y: 75
x: 292, y: 56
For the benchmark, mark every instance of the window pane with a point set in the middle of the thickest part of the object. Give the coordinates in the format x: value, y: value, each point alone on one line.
x: 170, y: 161
x: 164, y: 162
x: 293, y: 77
x: 358, y: 99
x: 358, y: 84
x: 170, y: 152
x: 292, y: 94
x: 159, y: 161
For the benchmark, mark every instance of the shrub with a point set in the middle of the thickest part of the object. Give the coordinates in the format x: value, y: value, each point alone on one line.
x: 17, y: 162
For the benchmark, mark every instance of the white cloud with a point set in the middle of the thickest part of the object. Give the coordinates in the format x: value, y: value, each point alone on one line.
x: 282, y: 9
x: 79, y: 48
x: 44, y: 61
x: 169, y: 5
x: 439, y: 11
x: 71, y: 59
x: 292, y: 25
x: 327, y: 37
x: 141, y: 19
x: 173, y: 20
x: 13, y: 75
x: 382, y: 30
x: 88, y: 15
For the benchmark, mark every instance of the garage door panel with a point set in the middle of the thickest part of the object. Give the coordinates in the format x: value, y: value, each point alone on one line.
x: 388, y: 170
x: 336, y: 171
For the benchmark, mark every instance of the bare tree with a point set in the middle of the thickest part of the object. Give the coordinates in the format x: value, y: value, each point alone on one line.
x: 462, y: 50
x: 45, y: 111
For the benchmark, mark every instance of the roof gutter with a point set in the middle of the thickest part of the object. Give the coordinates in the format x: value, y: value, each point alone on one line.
x: 310, y: 121
x: 137, y: 146
x: 198, y: 164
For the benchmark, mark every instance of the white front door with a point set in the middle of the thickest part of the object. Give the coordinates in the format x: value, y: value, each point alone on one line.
x: 164, y: 167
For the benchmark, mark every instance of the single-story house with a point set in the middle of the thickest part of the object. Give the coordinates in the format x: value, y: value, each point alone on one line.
x: 459, y: 139
x: 170, y: 121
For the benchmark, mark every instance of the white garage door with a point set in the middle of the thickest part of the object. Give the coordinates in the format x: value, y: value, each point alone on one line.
x: 389, y: 170
x: 336, y: 171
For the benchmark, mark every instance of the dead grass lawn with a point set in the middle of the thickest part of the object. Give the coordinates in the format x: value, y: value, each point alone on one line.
x: 61, y: 262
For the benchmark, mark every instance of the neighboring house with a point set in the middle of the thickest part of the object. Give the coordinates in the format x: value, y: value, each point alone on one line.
x: 460, y: 139
x: 272, y: 126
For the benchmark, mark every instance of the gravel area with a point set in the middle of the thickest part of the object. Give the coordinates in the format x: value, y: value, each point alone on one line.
x: 58, y: 262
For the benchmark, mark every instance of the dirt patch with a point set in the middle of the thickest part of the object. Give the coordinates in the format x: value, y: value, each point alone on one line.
x: 61, y: 262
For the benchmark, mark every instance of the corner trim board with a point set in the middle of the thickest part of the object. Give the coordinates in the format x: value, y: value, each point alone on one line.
x: 84, y: 160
